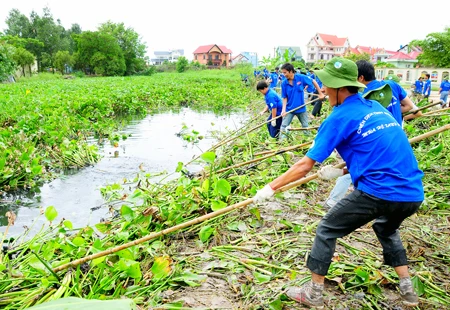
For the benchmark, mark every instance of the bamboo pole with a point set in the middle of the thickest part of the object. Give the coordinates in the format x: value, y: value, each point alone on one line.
x: 421, y: 108
x: 224, y: 141
x: 432, y: 115
x: 429, y: 134
x: 436, y: 111
x: 306, y: 128
x: 281, y: 151
x: 208, y: 216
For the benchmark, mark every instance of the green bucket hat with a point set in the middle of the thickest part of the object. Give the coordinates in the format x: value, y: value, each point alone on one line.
x: 392, y: 78
x: 339, y: 72
x: 382, y: 94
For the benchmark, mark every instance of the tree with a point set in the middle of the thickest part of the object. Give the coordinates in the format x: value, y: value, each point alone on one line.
x: 355, y: 57
x: 436, y: 49
x: 18, y: 24
x: 27, y: 43
x: 130, y: 43
x: 7, y: 64
x: 99, y: 52
x: 23, y: 58
x: 182, y: 64
x: 63, y: 58
x: 74, y: 29
x: 51, y: 34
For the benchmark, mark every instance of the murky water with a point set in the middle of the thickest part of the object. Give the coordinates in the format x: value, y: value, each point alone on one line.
x: 153, y: 146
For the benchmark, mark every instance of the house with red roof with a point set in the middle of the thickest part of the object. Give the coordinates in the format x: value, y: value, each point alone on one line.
x: 402, y: 60
x: 213, y: 55
x: 325, y: 46
x: 376, y: 54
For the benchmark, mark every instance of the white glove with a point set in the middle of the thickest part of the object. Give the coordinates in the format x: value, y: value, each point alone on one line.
x: 263, y: 194
x: 329, y: 172
x: 273, y: 122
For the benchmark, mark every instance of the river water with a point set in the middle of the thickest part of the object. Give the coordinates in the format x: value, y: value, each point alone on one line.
x: 153, y: 146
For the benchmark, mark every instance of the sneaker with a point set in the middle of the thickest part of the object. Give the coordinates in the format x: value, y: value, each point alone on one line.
x: 307, y: 294
x: 407, y: 293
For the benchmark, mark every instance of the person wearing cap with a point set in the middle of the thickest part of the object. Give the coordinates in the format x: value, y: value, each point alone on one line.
x: 384, y: 171
x: 274, y: 105
x: 395, y: 101
x: 292, y: 92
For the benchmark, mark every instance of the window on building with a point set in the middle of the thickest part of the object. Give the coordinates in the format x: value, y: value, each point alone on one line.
x: 204, y: 57
x: 195, y: 57
x: 217, y: 57
x: 390, y: 72
x: 321, y: 56
x: 408, y: 76
x: 434, y: 76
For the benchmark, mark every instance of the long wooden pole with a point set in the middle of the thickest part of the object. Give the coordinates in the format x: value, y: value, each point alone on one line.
x: 281, y: 151
x: 436, y: 111
x: 208, y: 216
x: 306, y: 128
x: 421, y: 108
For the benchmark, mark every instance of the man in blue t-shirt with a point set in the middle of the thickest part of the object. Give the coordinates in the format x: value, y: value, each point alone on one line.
x: 418, y: 89
x: 398, y: 104
x: 318, y: 104
x: 443, y: 92
x: 384, y: 170
x: 274, y: 105
x: 292, y: 92
x: 427, y: 86
x: 273, y: 79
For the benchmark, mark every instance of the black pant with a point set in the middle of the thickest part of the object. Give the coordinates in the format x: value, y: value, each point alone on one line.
x: 352, y: 212
x: 317, y: 108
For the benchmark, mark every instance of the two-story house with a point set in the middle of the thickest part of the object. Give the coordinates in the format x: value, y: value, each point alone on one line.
x: 325, y: 46
x: 170, y: 55
x: 213, y: 55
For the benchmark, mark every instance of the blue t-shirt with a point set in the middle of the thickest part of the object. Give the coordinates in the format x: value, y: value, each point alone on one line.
x: 274, y: 78
x: 311, y: 89
x: 419, y: 86
x: 319, y: 82
x: 398, y: 94
x: 427, y: 88
x: 295, y: 92
x: 445, y: 86
x: 377, y: 152
x: 273, y: 101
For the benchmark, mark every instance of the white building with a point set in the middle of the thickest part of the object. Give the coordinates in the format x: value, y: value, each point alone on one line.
x: 170, y: 55
x: 325, y: 46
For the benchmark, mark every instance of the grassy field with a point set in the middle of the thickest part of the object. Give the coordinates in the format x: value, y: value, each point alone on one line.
x: 240, y: 260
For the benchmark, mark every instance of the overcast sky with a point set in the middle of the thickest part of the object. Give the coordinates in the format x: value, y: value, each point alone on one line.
x: 255, y: 26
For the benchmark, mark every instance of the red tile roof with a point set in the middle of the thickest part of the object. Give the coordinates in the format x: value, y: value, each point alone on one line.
x: 335, y: 41
x: 401, y: 56
x: 206, y: 48
x: 414, y: 54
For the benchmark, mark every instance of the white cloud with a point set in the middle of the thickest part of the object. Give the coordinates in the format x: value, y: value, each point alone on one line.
x: 256, y: 26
